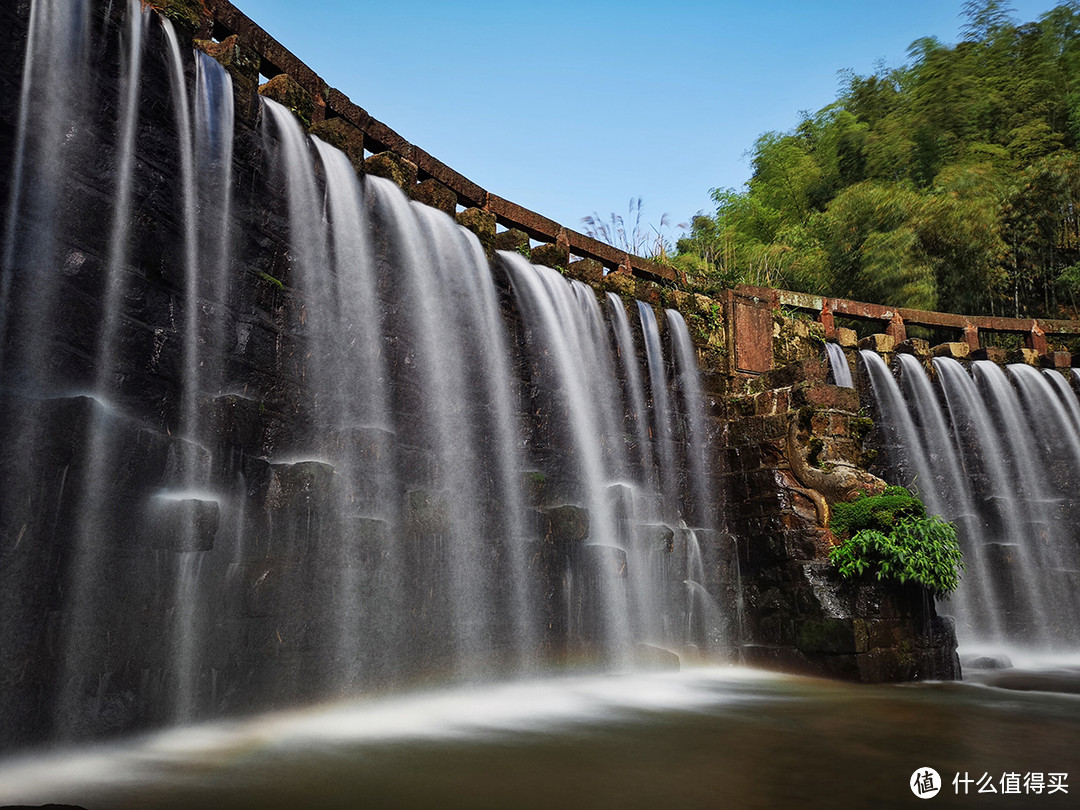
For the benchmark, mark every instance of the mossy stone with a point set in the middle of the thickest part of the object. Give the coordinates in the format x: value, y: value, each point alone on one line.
x: 588, y: 270
x: 342, y: 135
x: 481, y: 223
x: 554, y: 256
x: 514, y: 240
x: 392, y: 167
x: 437, y: 195
x: 186, y: 15
x: 285, y: 91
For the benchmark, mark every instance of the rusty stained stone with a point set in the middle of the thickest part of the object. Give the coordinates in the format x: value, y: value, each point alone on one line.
x: 437, y: 195
x: 753, y: 338
x: 1058, y: 360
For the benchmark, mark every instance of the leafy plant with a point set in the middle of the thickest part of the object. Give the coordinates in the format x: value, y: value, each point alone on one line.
x: 890, y: 536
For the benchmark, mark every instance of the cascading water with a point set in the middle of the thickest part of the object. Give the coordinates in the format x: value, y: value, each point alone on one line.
x: 839, y: 365
x: 287, y: 435
x: 998, y: 452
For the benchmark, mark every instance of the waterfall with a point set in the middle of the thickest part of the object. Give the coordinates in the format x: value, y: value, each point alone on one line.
x: 283, y: 434
x: 839, y: 365
x: 997, y: 451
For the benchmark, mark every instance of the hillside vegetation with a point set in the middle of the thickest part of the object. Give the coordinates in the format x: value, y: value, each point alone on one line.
x: 951, y: 183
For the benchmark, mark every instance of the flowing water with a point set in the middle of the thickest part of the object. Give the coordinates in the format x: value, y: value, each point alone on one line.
x: 296, y: 436
x: 996, y: 451
x: 695, y: 739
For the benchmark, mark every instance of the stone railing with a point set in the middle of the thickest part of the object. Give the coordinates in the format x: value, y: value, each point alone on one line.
x: 219, y: 20
x: 750, y: 311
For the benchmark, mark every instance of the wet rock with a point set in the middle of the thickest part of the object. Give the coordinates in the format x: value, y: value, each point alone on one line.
x: 604, y: 561
x: 656, y: 537
x: 302, y: 484
x: 427, y: 513
x: 180, y: 523
x: 588, y: 270
x: 986, y: 662
x: 567, y: 523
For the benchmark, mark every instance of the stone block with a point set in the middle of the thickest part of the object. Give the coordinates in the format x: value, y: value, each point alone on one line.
x: 995, y: 354
x: 182, y: 523
x: 588, y: 270
x: 604, y: 561
x: 847, y: 338
x: 342, y: 135
x: 958, y: 350
x: 285, y: 91
x: 1027, y: 356
x: 1057, y: 360
x: 916, y: 346
x: 822, y: 395
x: 621, y: 284
x: 481, y: 223
x: 432, y: 192
x: 880, y: 343
x: 832, y: 636
x: 513, y: 240
x: 554, y: 256
x: 567, y: 523
x: 396, y: 169
x: 233, y: 56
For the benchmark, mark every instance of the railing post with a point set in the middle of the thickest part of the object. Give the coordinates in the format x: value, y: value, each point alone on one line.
x: 896, y: 329
x: 1036, y: 338
x: 826, y: 318
x: 971, y: 336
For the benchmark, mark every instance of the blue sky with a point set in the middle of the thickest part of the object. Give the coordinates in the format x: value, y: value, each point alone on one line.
x: 571, y: 108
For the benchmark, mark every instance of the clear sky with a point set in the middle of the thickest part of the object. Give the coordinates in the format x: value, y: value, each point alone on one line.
x: 571, y: 108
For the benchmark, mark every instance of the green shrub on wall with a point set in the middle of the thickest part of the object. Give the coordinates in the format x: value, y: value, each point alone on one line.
x: 890, y: 536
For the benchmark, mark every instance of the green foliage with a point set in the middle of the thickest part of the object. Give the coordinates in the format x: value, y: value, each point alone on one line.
x: 924, y: 550
x: 875, y: 512
x: 891, y: 537
x: 951, y: 183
